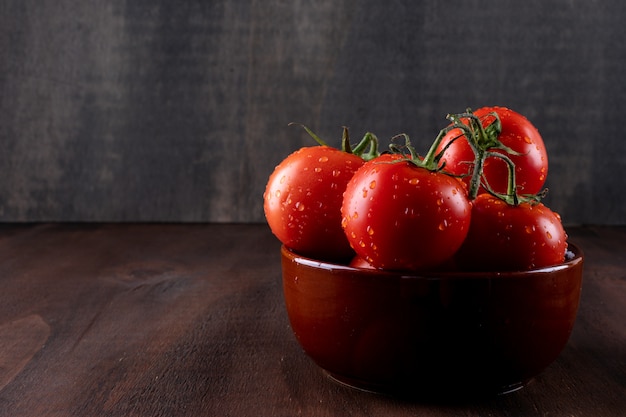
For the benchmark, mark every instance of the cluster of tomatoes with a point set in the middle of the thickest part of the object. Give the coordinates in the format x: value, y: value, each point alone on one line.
x: 472, y: 202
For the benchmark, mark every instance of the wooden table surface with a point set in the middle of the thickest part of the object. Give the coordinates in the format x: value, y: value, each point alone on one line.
x: 189, y: 320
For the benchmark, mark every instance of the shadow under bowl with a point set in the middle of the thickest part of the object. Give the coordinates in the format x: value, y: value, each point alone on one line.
x: 430, y: 334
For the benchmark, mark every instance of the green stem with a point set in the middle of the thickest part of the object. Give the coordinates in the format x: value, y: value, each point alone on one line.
x: 475, y: 182
x: 311, y: 133
x: 345, y: 141
x: 369, y: 142
x: 432, y: 156
x: 511, y: 196
x: 373, y: 149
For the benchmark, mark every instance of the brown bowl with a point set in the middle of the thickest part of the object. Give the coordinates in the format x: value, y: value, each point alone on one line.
x: 433, y: 333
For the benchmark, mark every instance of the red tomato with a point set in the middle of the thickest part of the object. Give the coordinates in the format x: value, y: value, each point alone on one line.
x: 402, y: 217
x: 358, y: 262
x: 531, y: 165
x: 504, y: 237
x: 302, y: 201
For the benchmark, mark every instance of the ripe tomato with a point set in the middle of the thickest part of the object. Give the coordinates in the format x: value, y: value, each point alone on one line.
x: 399, y: 216
x: 302, y: 201
x: 358, y: 262
x: 531, y: 160
x: 504, y: 237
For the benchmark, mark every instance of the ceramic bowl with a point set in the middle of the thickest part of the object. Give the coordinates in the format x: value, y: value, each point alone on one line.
x: 434, y: 333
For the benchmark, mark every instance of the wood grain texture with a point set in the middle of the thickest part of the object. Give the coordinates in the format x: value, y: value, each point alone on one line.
x: 155, y: 111
x: 188, y: 320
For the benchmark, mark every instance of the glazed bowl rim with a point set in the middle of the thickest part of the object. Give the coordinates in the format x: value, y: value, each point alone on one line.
x: 336, y: 268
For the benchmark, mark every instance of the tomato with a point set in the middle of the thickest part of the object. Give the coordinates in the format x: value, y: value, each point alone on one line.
x: 531, y: 159
x: 399, y: 216
x: 505, y: 237
x: 303, y: 197
x: 358, y: 262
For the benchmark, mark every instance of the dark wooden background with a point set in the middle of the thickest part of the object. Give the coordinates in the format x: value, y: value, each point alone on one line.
x: 177, y: 111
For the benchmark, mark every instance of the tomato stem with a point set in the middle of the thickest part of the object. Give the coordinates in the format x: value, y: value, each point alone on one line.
x: 483, y: 140
x: 511, y: 197
x: 311, y: 133
x: 369, y: 142
x: 430, y: 161
x: 479, y: 140
x: 432, y: 156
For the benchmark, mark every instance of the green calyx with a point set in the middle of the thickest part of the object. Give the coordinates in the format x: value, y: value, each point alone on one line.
x: 367, y: 148
x: 484, y: 140
x: 429, y: 162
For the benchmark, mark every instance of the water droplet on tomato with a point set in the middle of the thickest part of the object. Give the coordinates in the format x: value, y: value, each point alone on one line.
x: 440, y: 201
x: 299, y: 206
x: 529, y: 229
x: 336, y: 173
x: 355, y: 215
x: 443, y: 225
x: 364, y: 192
x: 318, y: 169
x: 549, y: 235
x: 414, y: 181
x: 283, y: 178
x: 372, y: 184
x: 361, y: 244
x: 370, y: 231
x: 527, y: 139
x: 277, y: 193
x: 323, y: 159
